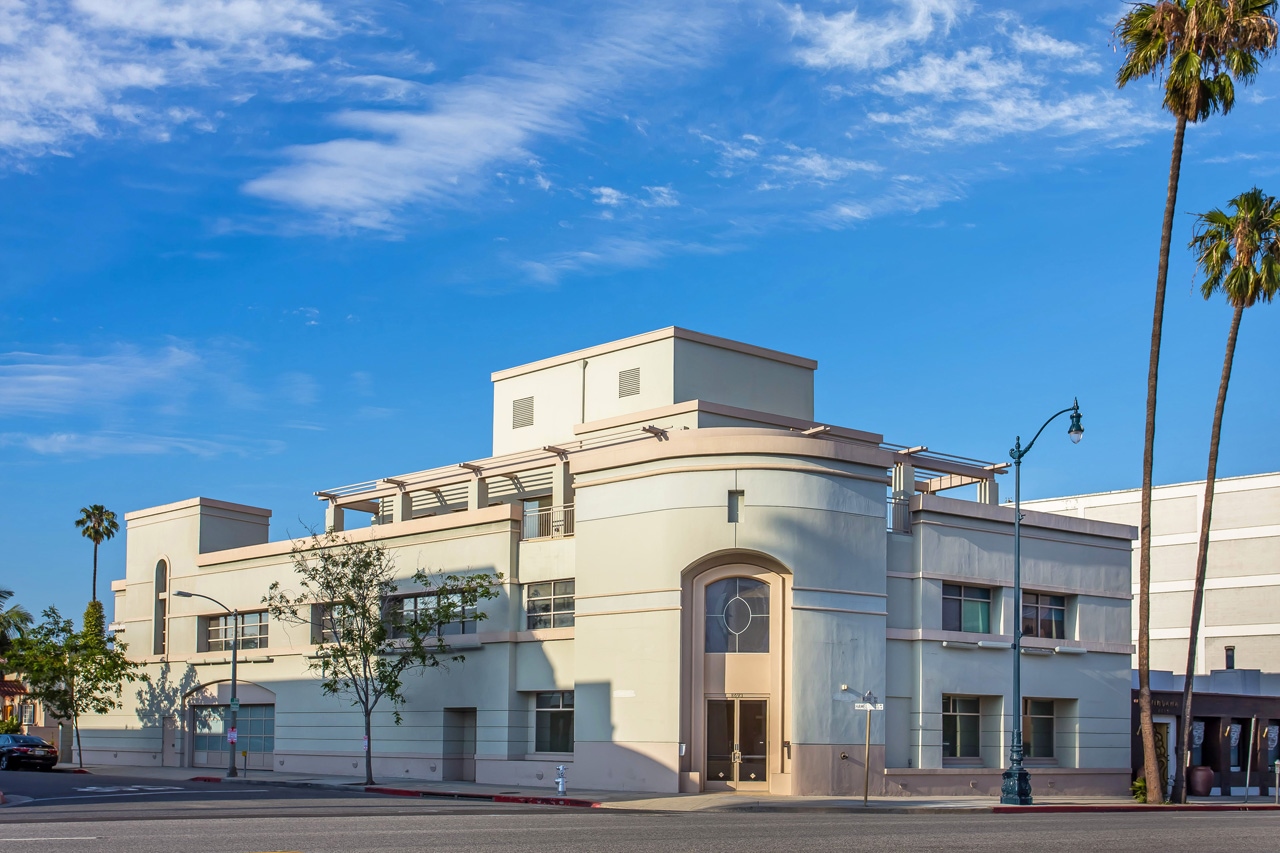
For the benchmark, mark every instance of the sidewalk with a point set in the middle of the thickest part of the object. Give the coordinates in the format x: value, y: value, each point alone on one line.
x: 712, y: 801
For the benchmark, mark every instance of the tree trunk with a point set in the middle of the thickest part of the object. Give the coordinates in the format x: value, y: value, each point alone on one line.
x: 95, y: 572
x: 368, y: 749
x: 1202, y: 557
x: 1150, y: 764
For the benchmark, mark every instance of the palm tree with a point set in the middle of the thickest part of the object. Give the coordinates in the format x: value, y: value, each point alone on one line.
x: 97, y: 524
x: 1200, y: 49
x: 1239, y: 254
x: 13, y: 621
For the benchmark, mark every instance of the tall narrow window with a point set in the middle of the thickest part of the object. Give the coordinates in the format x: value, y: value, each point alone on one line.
x: 737, y: 501
x: 1037, y: 724
x: 522, y: 412
x: 629, y: 382
x: 160, y: 627
x: 960, y: 726
x: 1231, y: 657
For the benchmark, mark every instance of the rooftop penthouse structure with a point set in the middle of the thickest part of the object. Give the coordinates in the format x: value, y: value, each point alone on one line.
x: 700, y: 581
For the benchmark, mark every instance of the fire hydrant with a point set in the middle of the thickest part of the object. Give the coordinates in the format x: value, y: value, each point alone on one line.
x: 560, y: 780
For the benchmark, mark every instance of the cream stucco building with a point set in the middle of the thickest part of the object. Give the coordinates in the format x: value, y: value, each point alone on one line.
x: 700, y: 581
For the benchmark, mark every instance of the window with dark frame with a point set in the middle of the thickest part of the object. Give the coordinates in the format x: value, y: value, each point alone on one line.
x: 413, y: 608
x: 1044, y: 616
x: 553, y: 723
x: 1037, y: 728
x: 253, y: 631
x: 1231, y: 657
x: 961, y: 723
x: 966, y: 608
x: 549, y: 604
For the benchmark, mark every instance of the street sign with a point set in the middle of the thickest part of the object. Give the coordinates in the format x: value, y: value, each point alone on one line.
x: 231, y: 735
x: 235, y: 704
x: 868, y: 706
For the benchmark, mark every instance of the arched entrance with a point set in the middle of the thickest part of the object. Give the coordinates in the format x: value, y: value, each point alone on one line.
x: 737, y: 642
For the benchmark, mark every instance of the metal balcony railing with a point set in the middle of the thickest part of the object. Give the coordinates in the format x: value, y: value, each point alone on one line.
x: 899, y: 515
x: 550, y: 522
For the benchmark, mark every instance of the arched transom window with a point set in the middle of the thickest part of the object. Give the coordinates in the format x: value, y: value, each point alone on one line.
x: 737, y: 616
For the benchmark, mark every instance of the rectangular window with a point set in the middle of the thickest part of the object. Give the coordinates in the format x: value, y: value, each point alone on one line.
x: 966, y: 608
x: 1231, y: 657
x: 629, y: 382
x: 522, y: 412
x: 324, y: 628
x: 28, y: 715
x: 553, y: 728
x: 549, y: 604
x: 960, y: 726
x: 414, y: 608
x: 1044, y: 616
x: 737, y: 501
x: 253, y: 632
x: 1037, y: 728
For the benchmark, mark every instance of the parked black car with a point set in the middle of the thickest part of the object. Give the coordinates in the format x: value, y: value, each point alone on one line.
x: 26, y: 751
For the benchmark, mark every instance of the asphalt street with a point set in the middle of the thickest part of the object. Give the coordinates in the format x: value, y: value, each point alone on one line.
x: 548, y: 828
x: 103, y: 814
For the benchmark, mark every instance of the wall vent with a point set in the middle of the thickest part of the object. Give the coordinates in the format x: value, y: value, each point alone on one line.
x: 629, y: 382
x: 522, y: 412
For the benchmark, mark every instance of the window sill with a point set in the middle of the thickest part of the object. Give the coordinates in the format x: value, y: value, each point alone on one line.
x: 962, y: 762
x: 560, y: 757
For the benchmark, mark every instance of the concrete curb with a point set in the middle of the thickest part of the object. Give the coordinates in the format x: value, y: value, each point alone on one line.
x: 410, y: 792
x: 1161, y: 809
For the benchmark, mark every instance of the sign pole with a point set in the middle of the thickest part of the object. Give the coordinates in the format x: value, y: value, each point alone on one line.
x: 866, y: 761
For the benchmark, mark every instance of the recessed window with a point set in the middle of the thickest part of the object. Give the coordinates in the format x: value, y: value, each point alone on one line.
x: 737, y: 502
x: 253, y: 632
x: 549, y: 604
x: 1037, y: 728
x: 1044, y: 616
x: 737, y: 617
x: 553, y: 726
x: 960, y: 726
x: 160, y: 627
x: 1231, y: 657
x: 522, y: 412
x: 629, y: 382
x: 415, y: 608
x: 966, y: 608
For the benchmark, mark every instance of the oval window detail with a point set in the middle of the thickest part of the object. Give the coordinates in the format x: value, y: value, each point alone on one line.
x: 737, y: 616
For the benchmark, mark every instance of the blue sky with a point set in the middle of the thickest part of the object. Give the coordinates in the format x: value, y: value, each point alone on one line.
x: 252, y: 249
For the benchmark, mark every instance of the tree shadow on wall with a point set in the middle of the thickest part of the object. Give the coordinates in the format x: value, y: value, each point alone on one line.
x: 163, y: 696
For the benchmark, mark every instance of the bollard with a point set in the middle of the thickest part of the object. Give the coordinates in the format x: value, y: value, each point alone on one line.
x: 560, y: 780
x: 1278, y: 781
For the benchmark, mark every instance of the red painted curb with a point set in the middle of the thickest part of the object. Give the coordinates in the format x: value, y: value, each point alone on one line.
x: 496, y: 798
x: 1206, y: 807
x: 82, y: 770
x: 547, y: 801
x: 1, y: 798
x: 205, y: 779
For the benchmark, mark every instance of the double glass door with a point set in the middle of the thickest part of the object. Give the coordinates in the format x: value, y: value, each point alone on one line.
x: 737, y: 744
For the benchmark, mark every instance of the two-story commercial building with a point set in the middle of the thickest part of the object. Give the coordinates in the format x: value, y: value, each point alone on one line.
x: 700, y: 580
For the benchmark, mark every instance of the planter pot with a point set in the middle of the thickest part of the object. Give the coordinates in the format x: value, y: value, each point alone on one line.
x: 1199, y: 780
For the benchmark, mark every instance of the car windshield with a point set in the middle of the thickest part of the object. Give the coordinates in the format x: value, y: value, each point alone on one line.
x: 28, y: 740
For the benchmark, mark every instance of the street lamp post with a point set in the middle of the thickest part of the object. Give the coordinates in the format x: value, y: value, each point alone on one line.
x: 235, y: 645
x: 1015, y: 783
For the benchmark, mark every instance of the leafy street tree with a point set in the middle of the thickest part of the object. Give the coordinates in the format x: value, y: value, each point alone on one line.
x: 367, y: 639
x: 1198, y: 49
x: 97, y: 524
x: 1239, y: 255
x: 70, y: 672
x: 14, y: 620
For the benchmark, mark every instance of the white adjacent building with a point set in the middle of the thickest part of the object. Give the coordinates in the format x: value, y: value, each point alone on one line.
x: 700, y: 581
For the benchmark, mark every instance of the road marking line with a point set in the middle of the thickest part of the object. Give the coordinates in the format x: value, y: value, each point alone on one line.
x: 68, y: 838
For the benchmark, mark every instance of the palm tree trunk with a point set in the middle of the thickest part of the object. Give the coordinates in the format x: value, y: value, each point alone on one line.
x: 1150, y: 763
x: 95, y: 572
x: 1202, y: 555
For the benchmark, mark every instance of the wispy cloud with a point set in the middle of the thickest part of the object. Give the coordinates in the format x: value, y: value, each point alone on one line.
x: 608, y: 254
x: 44, y: 384
x: 393, y: 159
x: 110, y: 443
x: 72, y: 69
x: 854, y: 41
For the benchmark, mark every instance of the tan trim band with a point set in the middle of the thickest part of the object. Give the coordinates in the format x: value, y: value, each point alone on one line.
x: 840, y: 610
x: 691, y: 469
